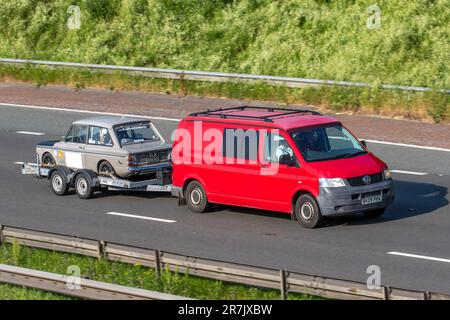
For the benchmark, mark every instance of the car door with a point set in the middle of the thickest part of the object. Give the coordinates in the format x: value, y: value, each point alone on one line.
x: 73, y: 147
x: 99, y: 147
x: 271, y: 184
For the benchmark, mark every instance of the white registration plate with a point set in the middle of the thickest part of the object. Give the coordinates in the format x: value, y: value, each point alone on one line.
x: 372, y: 199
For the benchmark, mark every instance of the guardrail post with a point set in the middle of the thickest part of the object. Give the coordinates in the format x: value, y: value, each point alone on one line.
x: 426, y: 295
x: 158, y: 263
x: 1, y: 234
x: 386, y: 292
x: 283, y: 285
x: 101, y: 249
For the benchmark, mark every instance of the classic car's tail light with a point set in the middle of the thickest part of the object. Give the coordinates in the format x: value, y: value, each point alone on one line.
x: 131, y: 160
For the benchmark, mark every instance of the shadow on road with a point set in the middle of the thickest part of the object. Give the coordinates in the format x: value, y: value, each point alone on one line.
x: 412, y: 199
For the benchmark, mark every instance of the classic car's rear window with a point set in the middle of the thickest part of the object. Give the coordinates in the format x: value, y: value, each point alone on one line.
x: 138, y: 132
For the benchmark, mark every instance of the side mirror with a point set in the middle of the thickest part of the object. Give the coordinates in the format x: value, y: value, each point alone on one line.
x: 364, y: 143
x: 287, y: 160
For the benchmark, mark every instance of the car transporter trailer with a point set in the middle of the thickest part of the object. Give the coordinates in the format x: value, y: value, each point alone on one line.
x: 86, y: 182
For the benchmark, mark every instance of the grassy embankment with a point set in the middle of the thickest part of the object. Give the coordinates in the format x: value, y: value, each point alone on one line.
x: 123, y: 274
x: 321, y: 39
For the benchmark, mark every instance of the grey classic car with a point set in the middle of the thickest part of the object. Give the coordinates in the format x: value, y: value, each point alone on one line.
x: 122, y: 147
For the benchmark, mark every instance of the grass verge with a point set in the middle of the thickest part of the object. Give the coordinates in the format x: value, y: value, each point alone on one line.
x: 429, y: 106
x: 123, y: 274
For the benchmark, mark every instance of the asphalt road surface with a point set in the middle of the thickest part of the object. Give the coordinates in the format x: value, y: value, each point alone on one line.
x: 417, y: 224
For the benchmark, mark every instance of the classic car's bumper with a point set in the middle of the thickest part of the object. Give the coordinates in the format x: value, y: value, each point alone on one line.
x: 148, y: 168
x: 343, y: 200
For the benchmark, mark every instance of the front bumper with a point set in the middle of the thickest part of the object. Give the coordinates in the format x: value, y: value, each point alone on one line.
x: 344, y: 200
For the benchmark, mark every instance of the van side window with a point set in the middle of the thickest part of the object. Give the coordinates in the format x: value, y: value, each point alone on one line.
x: 241, y: 144
x: 275, y: 146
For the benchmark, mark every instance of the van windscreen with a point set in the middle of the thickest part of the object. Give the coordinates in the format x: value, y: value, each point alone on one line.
x: 327, y: 143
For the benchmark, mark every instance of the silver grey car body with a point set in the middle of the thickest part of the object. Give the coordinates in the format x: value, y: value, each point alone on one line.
x: 133, y: 146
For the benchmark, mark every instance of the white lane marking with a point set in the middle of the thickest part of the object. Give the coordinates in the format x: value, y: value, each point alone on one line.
x: 31, y: 133
x: 178, y: 120
x: 410, y: 172
x: 139, y: 217
x: 86, y: 111
x: 407, y: 145
x: 418, y: 256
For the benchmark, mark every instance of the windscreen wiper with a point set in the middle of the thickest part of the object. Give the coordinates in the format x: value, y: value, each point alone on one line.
x: 350, y: 155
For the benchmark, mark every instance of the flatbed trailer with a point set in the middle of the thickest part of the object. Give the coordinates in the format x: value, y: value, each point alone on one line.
x: 86, y: 182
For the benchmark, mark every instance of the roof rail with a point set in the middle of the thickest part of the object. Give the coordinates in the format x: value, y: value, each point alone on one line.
x: 265, y: 118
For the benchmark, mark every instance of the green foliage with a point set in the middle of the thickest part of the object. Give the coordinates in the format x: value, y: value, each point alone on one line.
x: 312, y: 38
x: 124, y: 274
x: 322, y: 39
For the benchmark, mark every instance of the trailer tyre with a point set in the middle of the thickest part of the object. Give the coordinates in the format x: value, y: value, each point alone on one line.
x: 83, y: 186
x: 58, y: 183
x: 196, y: 198
x: 307, y: 211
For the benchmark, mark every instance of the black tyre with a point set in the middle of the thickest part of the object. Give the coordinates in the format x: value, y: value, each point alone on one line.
x: 58, y: 183
x: 307, y: 211
x: 83, y: 186
x: 196, y: 198
x: 106, y: 169
x: 48, y: 160
x: 375, y: 213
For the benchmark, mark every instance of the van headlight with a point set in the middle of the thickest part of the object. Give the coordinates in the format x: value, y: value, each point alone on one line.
x: 387, y: 174
x: 331, y: 182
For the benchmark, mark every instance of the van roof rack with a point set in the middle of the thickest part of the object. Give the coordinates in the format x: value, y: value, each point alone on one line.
x: 265, y: 118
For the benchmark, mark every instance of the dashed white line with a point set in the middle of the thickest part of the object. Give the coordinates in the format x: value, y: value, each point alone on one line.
x: 139, y: 217
x: 410, y: 172
x: 31, y: 133
x: 418, y: 256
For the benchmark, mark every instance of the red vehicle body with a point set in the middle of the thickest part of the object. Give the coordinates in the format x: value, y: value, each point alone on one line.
x: 336, y: 176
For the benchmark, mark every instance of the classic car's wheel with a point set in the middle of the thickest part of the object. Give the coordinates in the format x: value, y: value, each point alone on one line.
x: 48, y: 160
x: 58, y: 183
x: 106, y: 169
x: 196, y: 198
x: 83, y: 186
x: 307, y: 211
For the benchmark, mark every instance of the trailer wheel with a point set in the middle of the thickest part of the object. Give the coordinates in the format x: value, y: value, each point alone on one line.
x: 196, y: 198
x: 83, y: 186
x: 58, y: 183
x: 307, y: 211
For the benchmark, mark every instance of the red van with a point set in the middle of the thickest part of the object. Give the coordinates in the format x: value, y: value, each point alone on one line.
x: 294, y: 161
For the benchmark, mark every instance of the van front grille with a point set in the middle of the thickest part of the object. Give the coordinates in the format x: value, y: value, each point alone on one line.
x: 359, y: 181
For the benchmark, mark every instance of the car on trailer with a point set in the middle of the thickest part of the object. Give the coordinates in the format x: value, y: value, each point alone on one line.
x: 123, y: 147
x: 118, y: 153
x: 294, y: 161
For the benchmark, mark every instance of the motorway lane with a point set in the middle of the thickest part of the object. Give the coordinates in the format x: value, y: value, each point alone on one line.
x: 56, y: 123
x: 417, y: 223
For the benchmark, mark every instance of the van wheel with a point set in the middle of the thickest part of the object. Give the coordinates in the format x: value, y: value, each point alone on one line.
x: 83, y: 187
x: 106, y: 169
x: 307, y: 211
x: 196, y: 198
x: 58, y: 183
x: 374, y: 213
